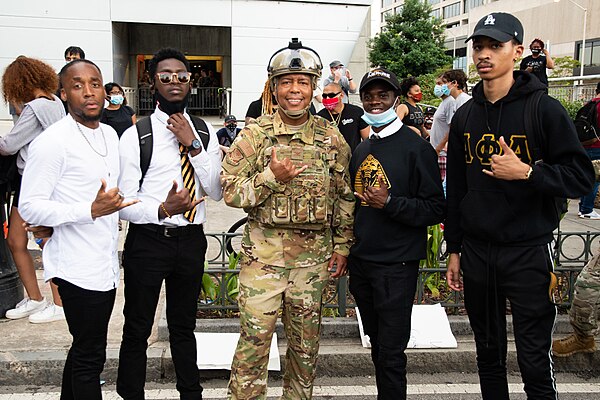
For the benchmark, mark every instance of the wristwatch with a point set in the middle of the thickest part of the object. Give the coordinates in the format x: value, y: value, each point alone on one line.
x: 195, y: 145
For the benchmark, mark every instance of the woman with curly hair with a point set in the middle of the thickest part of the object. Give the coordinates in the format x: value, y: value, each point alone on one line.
x: 409, y: 111
x: 29, y: 85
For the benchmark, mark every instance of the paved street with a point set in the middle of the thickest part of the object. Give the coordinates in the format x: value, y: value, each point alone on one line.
x: 452, y: 386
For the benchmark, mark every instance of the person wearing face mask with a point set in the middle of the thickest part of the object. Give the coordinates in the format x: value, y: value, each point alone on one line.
x: 347, y: 117
x: 409, y: 111
x: 441, y: 122
x: 538, y: 61
x: 397, y: 182
x: 289, y: 171
x: 228, y: 133
x: 118, y: 114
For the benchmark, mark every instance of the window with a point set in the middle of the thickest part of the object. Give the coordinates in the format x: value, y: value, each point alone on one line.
x: 398, y: 10
x: 460, y: 63
x: 469, y: 4
x: 436, y: 13
x: 432, y: 2
x: 592, y: 53
x: 385, y: 15
x: 452, y: 10
x: 452, y: 25
x: 385, y: 3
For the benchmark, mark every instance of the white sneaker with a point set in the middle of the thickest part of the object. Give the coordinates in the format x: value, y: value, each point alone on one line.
x: 591, y: 215
x: 26, y: 307
x: 49, y: 314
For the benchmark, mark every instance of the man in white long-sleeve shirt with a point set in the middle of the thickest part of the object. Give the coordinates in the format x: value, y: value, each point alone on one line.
x: 68, y: 170
x: 166, y: 240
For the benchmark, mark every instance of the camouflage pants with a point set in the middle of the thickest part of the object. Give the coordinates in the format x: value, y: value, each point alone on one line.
x: 263, y: 290
x: 586, y: 302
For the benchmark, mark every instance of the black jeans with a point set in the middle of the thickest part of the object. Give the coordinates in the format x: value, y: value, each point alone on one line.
x: 149, y: 258
x: 493, y: 274
x: 87, y: 313
x: 384, y: 295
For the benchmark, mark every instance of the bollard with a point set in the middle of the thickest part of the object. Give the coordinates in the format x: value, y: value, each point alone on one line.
x: 11, y: 289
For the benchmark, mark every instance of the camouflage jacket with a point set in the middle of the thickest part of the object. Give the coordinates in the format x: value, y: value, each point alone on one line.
x: 316, y: 226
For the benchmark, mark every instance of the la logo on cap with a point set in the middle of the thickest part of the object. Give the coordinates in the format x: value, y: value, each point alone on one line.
x: 490, y: 20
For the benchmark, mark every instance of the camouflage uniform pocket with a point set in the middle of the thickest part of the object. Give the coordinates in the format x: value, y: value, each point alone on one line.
x: 319, y: 210
x: 281, y: 209
x: 301, y: 210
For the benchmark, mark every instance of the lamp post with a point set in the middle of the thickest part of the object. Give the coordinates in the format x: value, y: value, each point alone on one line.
x: 585, y: 11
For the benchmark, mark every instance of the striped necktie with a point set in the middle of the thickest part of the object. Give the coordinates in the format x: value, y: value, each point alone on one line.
x: 187, y: 172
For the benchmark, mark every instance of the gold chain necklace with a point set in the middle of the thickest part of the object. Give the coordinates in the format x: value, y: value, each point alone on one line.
x: 336, y: 121
x: 90, y: 144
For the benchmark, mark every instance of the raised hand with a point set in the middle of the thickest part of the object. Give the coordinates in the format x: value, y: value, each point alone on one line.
x: 107, y: 202
x: 284, y: 170
x: 375, y: 196
x: 507, y: 166
x: 178, y: 202
x: 181, y: 128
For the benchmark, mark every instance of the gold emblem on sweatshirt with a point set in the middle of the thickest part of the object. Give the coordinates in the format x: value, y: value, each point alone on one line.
x: 367, y: 175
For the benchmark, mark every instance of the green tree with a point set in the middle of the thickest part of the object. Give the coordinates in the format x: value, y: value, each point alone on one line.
x: 411, y: 43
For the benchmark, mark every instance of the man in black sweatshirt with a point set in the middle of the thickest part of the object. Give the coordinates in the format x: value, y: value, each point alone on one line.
x: 396, y: 178
x: 501, y: 208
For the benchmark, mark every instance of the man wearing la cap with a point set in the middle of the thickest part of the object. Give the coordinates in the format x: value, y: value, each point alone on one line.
x: 502, y: 181
x: 342, y: 76
x: 228, y: 133
x: 289, y: 171
x: 396, y: 178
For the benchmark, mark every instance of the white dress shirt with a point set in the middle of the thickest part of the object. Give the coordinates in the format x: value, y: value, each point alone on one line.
x: 388, y: 130
x: 61, y: 180
x: 165, y: 167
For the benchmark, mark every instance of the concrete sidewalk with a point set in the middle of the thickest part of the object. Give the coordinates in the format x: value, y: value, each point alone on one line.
x: 35, y: 354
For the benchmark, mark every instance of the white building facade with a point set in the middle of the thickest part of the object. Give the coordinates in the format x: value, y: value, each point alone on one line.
x: 235, y: 38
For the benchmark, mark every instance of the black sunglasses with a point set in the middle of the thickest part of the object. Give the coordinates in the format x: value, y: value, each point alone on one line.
x: 167, y: 77
x: 330, y: 95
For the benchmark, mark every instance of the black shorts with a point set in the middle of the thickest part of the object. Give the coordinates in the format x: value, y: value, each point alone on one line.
x: 17, y: 190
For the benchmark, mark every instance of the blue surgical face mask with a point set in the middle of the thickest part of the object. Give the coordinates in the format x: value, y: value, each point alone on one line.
x: 377, y: 120
x: 116, y: 99
x: 441, y: 90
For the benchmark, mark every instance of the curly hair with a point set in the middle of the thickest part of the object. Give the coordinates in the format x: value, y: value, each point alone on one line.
x: 539, y: 41
x: 24, y: 76
x: 406, y: 84
x: 165, y: 54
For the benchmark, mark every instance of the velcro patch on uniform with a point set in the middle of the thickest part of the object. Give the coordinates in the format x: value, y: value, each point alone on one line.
x: 234, y: 156
x: 245, y: 147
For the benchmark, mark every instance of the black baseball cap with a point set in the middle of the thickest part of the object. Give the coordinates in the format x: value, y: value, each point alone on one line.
x: 230, y: 118
x: 499, y: 26
x: 380, y: 74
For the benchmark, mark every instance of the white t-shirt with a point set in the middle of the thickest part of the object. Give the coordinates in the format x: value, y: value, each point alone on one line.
x: 460, y: 100
x: 441, y: 122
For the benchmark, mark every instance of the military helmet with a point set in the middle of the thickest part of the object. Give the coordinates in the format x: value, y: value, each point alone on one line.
x: 295, y: 59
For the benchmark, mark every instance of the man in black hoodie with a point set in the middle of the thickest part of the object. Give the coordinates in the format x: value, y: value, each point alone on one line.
x: 396, y: 177
x: 501, y: 209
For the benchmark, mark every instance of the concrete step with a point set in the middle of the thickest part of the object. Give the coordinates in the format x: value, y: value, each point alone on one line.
x: 338, y: 357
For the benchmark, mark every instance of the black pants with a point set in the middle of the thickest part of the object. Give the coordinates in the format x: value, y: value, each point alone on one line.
x: 87, y: 313
x: 384, y: 295
x: 149, y: 258
x: 493, y: 274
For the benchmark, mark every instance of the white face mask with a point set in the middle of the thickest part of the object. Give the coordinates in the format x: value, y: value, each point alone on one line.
x: 377, y: 120
x: 116, y: 99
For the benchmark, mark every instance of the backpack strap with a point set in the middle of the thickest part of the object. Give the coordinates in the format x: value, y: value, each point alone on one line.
x: 144, y: 130
x: 201, y: 129
x: 533, y: 126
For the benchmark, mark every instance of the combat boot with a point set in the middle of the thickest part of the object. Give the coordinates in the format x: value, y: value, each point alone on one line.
x: 573, y: 344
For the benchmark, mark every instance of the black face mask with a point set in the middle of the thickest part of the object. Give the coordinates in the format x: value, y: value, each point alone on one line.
x: 169, y: 107
x: 536, y: 51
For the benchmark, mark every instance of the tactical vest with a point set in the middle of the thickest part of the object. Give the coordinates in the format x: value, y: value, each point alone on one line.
x: 307, y: 201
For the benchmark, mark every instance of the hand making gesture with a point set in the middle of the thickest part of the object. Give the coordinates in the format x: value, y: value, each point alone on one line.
x: 177, y: 202
x: 507, y: 166
x: 108, y: 201
x: 375, y: 196
x: 284, y: 170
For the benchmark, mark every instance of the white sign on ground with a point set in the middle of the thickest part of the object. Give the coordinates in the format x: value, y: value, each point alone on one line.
x: 216, y: 350
x: 430, y: 328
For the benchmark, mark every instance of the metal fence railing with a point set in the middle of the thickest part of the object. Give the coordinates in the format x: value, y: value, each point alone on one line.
x: 203, y: 100
x: 572, y: 250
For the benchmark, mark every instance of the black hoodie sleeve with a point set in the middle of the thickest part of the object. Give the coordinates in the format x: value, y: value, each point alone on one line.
x: 566, y: 170
x: 456, y: 185
x: 426, y: 206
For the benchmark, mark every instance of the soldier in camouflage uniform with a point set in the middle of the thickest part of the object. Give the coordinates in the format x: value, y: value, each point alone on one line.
x: 289, y: 172
x: 583, y: 313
